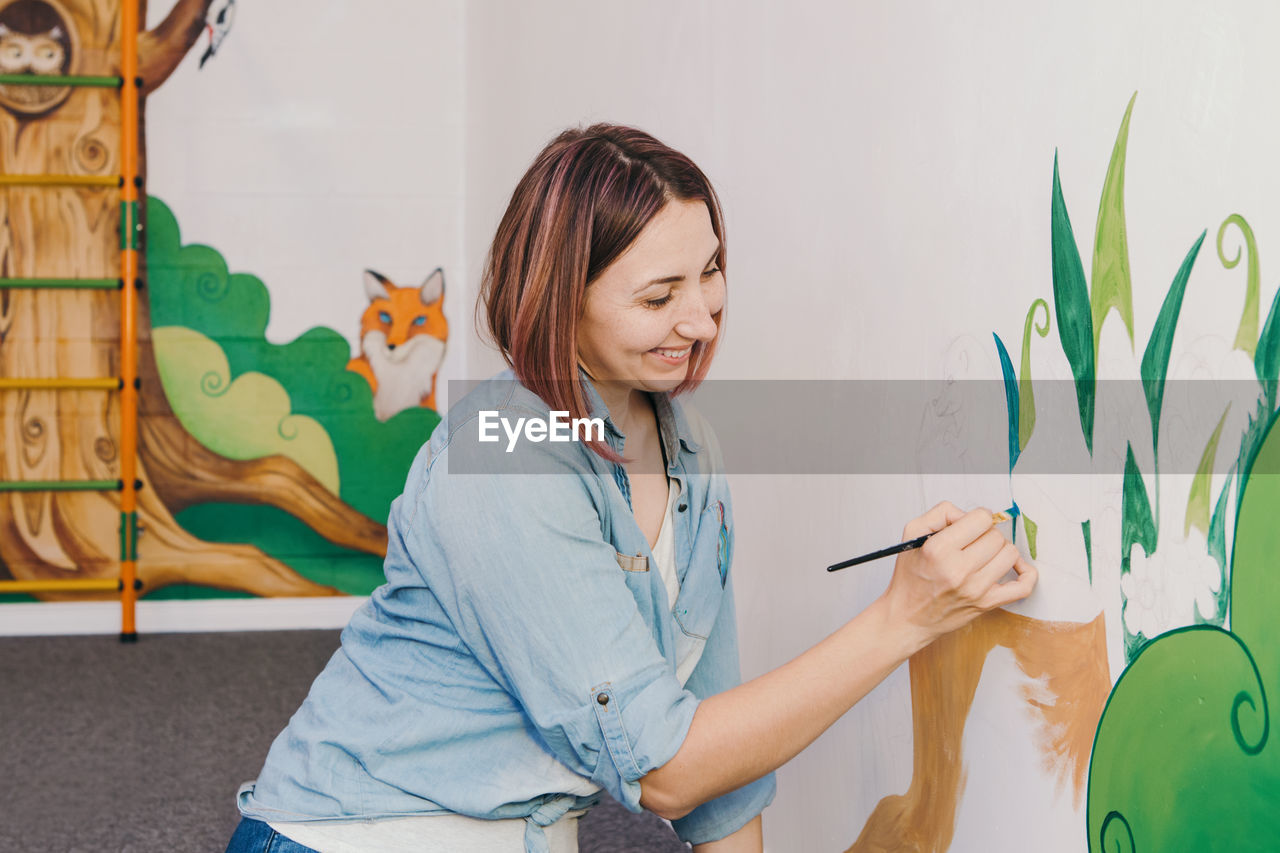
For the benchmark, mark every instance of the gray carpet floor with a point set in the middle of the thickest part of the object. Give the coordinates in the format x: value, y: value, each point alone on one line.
x: 107, y: 747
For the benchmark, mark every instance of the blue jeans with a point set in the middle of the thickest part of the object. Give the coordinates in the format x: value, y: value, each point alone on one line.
x: 254, y: 836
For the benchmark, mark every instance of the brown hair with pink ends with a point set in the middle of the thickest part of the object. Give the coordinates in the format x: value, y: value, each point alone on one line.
x: 578, y: 208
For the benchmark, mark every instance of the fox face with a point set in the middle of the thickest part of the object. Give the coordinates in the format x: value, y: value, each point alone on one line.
x: 402, y: 313
x: 402, y: 342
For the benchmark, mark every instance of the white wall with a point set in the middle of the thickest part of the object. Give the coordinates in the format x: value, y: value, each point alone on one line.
x: 321, y: 140
x: 886, y: 172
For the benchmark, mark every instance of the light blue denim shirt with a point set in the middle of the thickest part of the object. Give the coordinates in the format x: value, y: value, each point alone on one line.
x: 517, y: 629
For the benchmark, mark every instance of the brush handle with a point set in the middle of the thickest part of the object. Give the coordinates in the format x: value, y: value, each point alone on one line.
x: 883, y: 552
x: 996, y: 518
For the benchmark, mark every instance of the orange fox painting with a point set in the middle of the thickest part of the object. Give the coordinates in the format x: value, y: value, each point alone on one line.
x: 402, y: 342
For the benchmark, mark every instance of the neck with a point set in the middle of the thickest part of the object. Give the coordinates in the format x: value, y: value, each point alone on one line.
x: 629, y: 408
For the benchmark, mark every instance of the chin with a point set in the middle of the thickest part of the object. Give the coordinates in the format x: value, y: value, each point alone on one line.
x: 664, y: 383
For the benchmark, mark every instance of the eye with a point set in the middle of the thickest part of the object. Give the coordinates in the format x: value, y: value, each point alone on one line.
x: 384, y: 317
x: 657, y: 303
x: 710, y: 272
x: 420, y: 320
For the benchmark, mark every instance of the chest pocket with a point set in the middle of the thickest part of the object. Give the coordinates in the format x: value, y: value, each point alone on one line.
x: 703, y: 583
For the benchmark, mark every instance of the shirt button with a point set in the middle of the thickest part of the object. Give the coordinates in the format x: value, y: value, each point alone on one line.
x: 683, y: 507
x: 603, y: 698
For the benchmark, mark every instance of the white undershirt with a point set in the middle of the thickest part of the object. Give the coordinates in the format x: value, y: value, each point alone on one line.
x: 454, y: 833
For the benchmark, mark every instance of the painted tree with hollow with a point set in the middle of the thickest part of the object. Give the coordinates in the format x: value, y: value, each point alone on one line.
x: 72, y: 232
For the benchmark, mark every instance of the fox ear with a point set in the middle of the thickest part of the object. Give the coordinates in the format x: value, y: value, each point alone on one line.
x: 375, y: 286
x: 433, y: 288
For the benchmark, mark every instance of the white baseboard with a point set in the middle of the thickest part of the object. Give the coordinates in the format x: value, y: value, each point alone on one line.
x: 164, y: 617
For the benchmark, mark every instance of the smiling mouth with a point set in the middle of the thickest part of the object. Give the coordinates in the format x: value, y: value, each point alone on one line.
x: 671, y: 353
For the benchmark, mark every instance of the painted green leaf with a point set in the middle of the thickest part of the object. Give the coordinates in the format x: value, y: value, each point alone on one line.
x: 1198, y: 500
x: 1137, y: 523
x: 1032, y: 529
x: 1266, y: 363
x: 1218, y: 550
x: 1111, y: 279
x: 1155, y: 361
x: 1137, y: 527
x: 1010, y: 400
x: 1071, y: 304
x: 1247, y: 334
x: 1026, y: 396
x: 1250, y: 445
x: 1086, y: 530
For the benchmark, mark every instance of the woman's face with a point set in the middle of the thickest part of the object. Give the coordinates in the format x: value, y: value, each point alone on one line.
x: 643, y: 314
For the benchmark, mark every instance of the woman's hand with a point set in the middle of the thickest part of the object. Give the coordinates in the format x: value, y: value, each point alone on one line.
x: 955, y: 576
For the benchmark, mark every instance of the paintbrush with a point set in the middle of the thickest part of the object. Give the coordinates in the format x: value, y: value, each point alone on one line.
x: 996, y: 518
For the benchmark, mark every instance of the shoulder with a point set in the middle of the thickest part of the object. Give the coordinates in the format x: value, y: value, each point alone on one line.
x: 483, y: 437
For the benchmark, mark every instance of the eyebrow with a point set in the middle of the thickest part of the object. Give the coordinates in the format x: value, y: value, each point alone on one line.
x: 672, y: 279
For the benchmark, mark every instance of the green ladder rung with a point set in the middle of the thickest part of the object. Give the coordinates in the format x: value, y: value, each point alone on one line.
x: 59, y: 80
x: 61, y: 485
x: 70, y: 283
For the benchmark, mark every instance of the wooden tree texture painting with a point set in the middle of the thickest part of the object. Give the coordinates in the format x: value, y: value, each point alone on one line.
x: 72, y: 232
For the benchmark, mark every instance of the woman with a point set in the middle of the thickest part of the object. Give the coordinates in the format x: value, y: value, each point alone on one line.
x: 558, y: 615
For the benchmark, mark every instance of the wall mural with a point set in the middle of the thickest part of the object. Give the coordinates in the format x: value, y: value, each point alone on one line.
x: 1160, y: 583
x: 265, y: 468
x: 1143, y: 677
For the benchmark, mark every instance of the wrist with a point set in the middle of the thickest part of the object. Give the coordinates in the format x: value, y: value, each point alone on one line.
x: 902, y: 636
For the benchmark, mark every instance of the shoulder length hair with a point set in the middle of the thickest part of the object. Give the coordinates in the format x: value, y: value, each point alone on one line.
x: 582, y: 203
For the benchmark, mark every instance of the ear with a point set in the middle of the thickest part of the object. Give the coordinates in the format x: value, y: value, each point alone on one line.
x: 432, y: 289
x: 375, y: 286
x: 4, y: 31
x: 55, y: 33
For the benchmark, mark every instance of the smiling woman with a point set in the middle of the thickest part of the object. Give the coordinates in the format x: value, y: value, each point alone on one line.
x: 641, y: 331
x: 542, y: 638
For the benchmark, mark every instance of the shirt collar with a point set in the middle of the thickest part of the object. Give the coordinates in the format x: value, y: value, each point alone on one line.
x: 671, y: 418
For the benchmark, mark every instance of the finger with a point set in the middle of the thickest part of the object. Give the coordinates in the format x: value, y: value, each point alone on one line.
x: 996, y: 566
x: 1014, y: 590
x: 981, y: 551
x: 934, y: 520
x: 964, y: 530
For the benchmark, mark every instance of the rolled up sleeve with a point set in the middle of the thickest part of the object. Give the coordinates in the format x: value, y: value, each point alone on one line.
x: 520, y: 564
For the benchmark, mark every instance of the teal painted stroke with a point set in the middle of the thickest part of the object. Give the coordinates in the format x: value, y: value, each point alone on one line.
x: 1010, y: 400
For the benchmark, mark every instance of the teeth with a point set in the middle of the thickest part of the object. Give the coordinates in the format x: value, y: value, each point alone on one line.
x: 672, y: 353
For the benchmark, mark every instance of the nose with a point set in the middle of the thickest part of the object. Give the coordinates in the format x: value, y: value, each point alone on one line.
x: 696, y: 321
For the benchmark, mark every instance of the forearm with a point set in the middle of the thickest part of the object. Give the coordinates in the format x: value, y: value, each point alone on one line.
x: 749, y: 839
x: 742, y: 734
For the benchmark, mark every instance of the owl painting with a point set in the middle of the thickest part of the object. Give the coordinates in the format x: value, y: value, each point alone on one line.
x: 37, y: 53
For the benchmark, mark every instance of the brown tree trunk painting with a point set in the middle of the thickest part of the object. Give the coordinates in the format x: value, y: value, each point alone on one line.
x: 52, y: 231
x: 1069, y: 660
